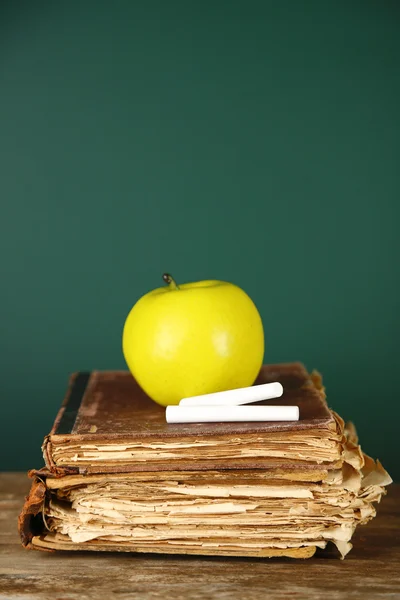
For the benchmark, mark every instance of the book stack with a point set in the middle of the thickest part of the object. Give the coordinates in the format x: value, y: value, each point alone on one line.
x: 118, y: 477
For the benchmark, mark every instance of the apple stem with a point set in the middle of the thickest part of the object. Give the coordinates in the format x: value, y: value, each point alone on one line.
x: 170, y: 281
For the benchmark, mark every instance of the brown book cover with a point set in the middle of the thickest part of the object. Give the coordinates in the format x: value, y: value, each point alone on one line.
x: 108, y: 424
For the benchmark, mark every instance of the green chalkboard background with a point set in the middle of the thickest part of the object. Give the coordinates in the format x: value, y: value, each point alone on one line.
x: 251, y: 141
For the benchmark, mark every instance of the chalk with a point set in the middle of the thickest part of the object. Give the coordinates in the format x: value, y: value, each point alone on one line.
x: 246, y: 395
x: 220, y: 414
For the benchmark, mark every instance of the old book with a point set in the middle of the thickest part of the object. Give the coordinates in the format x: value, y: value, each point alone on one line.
x: 275, y: 512
x: 119, y: 478
x: 107, y: 424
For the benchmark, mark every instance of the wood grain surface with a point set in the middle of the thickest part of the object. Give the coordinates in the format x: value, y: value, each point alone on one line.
x: 371, y: 570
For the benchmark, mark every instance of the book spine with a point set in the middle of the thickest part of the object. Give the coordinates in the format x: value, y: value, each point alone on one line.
x: 30, y: 520
x: 66, y: 418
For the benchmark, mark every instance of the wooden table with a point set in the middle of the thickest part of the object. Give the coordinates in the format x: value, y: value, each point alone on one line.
x: 371, y: 570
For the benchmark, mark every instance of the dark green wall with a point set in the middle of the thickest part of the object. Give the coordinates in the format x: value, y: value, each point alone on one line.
x: 250, y: 141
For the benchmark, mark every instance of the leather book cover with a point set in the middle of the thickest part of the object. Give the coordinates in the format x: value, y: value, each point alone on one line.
x: 108, y: 409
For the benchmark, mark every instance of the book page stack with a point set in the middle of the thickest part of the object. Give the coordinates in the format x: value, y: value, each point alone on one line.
x: 119, y: 478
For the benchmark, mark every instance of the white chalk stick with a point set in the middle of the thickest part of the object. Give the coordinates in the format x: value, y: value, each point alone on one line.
x: 246, y: 395
x: 219, y: 414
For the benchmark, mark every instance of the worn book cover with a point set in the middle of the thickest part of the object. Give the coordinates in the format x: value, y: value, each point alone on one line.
x: 108, y: 424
